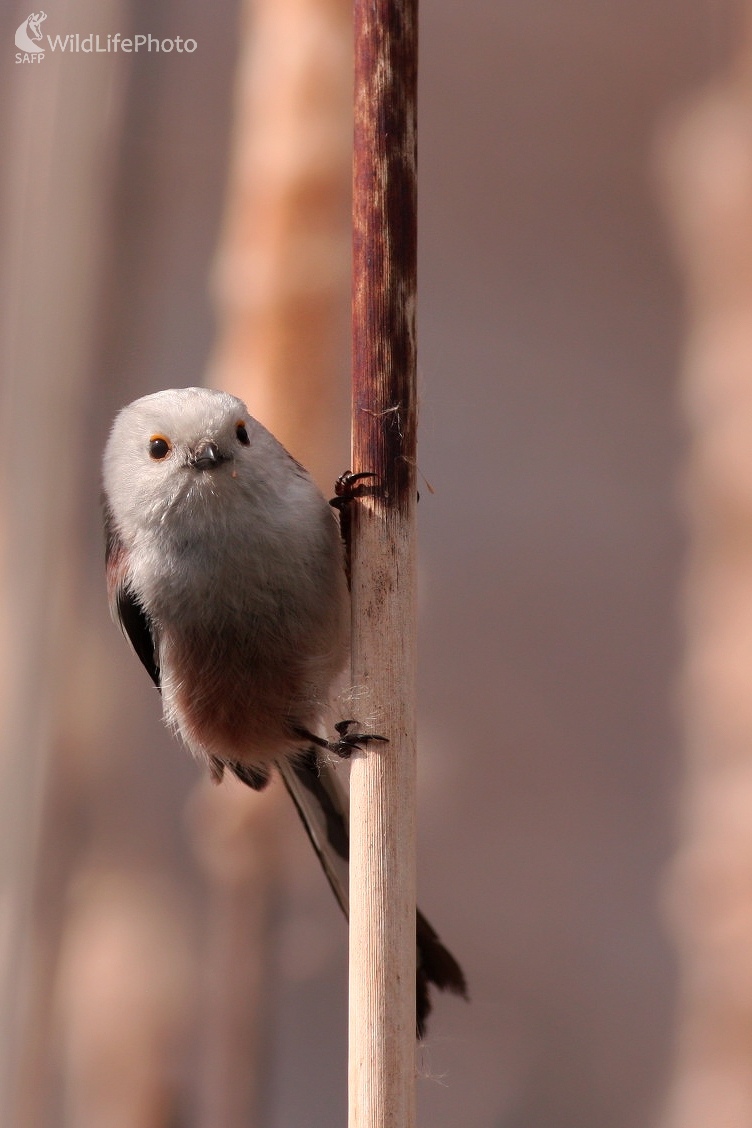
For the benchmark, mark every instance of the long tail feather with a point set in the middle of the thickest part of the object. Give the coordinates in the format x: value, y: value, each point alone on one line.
x: 323, y: 808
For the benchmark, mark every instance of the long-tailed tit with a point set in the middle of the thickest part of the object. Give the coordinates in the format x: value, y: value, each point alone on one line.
x: 225, y: 570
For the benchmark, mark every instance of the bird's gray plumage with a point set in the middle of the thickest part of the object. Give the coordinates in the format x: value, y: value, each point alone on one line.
x: 225, y: 571
x: 237, y: 569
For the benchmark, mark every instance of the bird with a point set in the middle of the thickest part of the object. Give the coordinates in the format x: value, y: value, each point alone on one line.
x: 226, y: 571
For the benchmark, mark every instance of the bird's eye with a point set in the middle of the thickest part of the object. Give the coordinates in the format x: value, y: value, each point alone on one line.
x: 242, y: 433
x: 159, y: 447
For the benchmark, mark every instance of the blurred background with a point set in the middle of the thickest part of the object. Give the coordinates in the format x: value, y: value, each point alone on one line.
x: 170, y: 955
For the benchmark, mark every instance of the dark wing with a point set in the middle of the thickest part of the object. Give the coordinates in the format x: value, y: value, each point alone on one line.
x: 125, y: 608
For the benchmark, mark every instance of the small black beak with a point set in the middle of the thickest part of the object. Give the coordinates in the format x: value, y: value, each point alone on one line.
x: 206, y: 456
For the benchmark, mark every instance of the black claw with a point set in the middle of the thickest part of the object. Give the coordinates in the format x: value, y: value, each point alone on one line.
x: 347, y: 743
x: 346, y: 488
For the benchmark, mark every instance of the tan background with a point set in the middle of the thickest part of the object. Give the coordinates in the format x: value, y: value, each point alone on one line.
x: 551, y: 544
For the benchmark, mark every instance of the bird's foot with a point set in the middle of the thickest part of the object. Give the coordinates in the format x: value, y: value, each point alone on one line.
x: 348, y: 741
x: 347, y: 488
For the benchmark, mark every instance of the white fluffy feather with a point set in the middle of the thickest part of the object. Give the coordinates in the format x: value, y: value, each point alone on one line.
x: 237, y: 567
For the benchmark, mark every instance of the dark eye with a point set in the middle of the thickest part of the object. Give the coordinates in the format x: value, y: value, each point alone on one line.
x: 159, y: 447
x: 242, y: 434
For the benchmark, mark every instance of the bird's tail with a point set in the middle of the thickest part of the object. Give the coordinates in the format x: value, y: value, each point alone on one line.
x: 323, y: 808
x: 323, y: 805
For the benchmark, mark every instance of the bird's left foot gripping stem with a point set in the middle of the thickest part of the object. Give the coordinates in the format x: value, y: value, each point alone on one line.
x: 347, y: 743
x: 347, y: 488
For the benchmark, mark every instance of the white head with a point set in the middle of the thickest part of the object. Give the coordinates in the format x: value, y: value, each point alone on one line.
x: 176, y: 446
